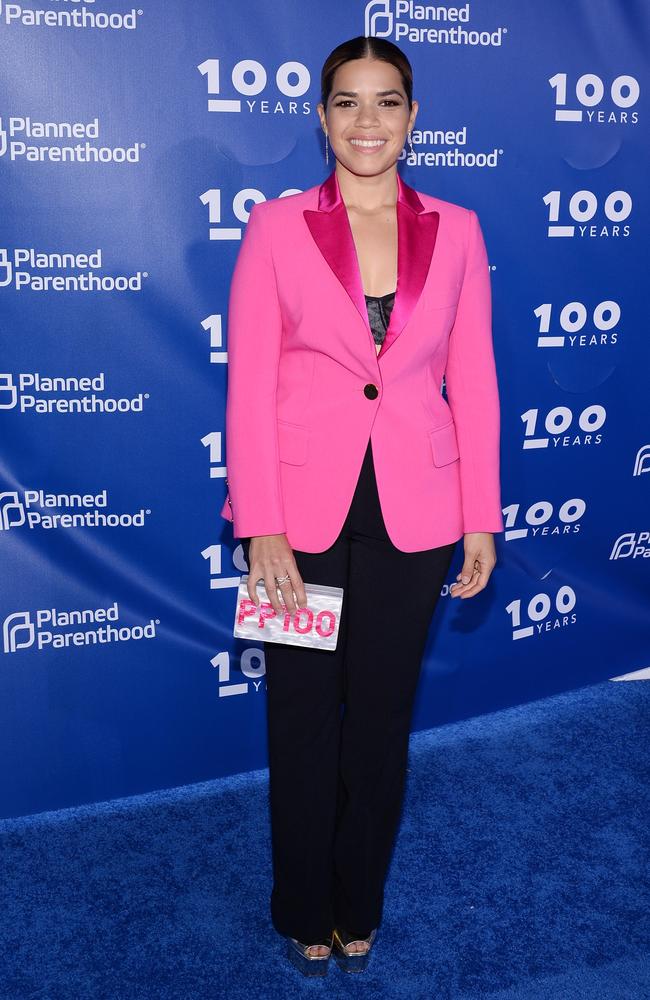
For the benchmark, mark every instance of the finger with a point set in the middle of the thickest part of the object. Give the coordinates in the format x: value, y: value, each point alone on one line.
x: 477, y: 584
x: 473, y: 589
x: 463, y: 579
x: 298, y: 587
x: 271, y: 585
x: 461, y: 588
x: 251, y: 586
x: 286, y: 589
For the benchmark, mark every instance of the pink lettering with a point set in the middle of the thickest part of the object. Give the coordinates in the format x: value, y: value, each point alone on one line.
x: 247, y: 609
x: 266, y: 611
x: 303, y: 627
x: 323, y: 629
x: 302, y: 621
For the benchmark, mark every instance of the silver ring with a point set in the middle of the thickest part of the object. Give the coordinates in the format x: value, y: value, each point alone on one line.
x: 282, y: 579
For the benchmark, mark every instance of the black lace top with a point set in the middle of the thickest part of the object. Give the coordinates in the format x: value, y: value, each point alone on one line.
x: 379, y: 310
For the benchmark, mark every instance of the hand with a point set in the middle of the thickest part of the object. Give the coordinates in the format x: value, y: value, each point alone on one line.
x: 271, y: 556
x: 480, y: 560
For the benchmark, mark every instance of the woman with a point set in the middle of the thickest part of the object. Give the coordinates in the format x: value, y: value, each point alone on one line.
x: 347, y: 467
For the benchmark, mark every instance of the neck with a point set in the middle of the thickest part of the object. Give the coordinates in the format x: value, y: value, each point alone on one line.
x: 367, y: 194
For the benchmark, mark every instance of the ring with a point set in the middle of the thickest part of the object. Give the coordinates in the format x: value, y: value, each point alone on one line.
x: 282, y: 580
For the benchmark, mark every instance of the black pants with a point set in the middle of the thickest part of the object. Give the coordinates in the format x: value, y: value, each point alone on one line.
x: 339, y: 724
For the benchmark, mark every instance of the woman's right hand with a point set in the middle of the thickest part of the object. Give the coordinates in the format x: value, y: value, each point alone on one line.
x: 271, y: 556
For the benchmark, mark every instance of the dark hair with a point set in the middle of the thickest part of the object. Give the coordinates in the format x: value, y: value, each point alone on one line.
x: 361, y: 47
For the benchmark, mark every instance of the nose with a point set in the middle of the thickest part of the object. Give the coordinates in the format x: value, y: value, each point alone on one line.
x: 367, y: 114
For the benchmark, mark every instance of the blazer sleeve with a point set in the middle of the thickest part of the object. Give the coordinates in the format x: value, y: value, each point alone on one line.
x: 472, y: 391
x: 254, y: 502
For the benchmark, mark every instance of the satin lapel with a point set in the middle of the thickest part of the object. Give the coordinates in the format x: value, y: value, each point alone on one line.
x: 417, y: 230
x: 330, y: 227
x: 416, y: 238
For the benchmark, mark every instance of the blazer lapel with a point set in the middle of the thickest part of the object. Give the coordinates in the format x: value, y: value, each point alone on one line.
x: 417, y: 229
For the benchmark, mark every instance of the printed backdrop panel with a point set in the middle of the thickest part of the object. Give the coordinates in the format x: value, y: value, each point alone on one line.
x: 134, y: 143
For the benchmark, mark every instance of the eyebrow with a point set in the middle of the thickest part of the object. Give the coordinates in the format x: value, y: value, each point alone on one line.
x: 353, y: 93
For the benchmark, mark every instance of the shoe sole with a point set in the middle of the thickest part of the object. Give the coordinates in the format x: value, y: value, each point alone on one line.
x: 352, y: 963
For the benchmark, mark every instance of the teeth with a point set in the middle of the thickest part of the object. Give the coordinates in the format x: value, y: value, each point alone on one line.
x: 367, y: 142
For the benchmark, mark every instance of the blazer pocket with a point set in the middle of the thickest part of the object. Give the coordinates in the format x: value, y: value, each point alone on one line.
x: 292, y: 442
x: 444, y: 445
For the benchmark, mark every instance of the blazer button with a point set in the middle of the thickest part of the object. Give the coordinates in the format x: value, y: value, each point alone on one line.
x: 371, y: 390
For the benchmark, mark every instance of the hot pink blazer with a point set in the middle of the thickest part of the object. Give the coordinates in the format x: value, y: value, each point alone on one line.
x: 306, y: 387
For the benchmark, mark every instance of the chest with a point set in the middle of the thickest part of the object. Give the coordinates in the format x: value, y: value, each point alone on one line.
x: 375, y: 241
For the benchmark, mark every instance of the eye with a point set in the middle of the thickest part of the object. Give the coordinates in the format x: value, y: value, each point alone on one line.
x: 386, y: 100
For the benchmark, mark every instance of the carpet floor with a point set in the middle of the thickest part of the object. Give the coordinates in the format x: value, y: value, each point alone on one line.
x: 521, y: 872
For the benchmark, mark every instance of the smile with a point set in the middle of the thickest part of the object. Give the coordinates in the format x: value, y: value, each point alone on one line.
x: 368, y: 143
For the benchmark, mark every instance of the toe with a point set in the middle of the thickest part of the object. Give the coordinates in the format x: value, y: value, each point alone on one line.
x: 317, y: 949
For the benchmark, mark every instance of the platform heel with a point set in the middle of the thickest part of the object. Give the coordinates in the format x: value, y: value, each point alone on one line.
x: 309, y: 965
x: 355, y: 961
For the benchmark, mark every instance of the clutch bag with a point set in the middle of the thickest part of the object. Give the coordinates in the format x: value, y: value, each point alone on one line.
x: 315, y: 625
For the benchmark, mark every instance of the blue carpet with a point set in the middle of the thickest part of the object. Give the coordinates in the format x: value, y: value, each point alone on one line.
x: 521, y: 872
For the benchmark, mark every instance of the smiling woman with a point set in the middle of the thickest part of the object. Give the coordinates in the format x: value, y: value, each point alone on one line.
x: 369, y: 113
x: 374, y: 119
x: 346, y: 467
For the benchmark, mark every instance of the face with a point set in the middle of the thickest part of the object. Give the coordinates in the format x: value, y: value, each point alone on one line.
x: 358, y: 110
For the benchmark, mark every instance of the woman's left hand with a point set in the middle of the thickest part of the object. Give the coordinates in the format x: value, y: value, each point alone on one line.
x: 480, y: 560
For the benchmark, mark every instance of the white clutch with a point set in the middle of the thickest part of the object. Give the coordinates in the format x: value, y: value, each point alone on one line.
x: 316, y: 625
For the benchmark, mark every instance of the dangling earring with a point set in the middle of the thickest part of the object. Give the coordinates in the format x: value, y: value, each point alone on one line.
x: 327, y: 159
x: 410, y: 142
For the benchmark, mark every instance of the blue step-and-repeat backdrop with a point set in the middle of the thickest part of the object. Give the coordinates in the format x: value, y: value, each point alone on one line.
x: 133, y: 143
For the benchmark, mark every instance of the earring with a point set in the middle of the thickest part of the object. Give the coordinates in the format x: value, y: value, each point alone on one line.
x: 410, y: 143
x: 327, y: 159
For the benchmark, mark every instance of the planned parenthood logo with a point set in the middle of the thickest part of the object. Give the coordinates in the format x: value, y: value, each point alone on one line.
x: 435, y: 24
x: 631, y: 545
x: 642, y: 460
x: 70, y: 15
x: 29, y: 269
x: 49, y: 628
x: 37, y: 508
x: 31, y: 392
x: 28, y: 140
